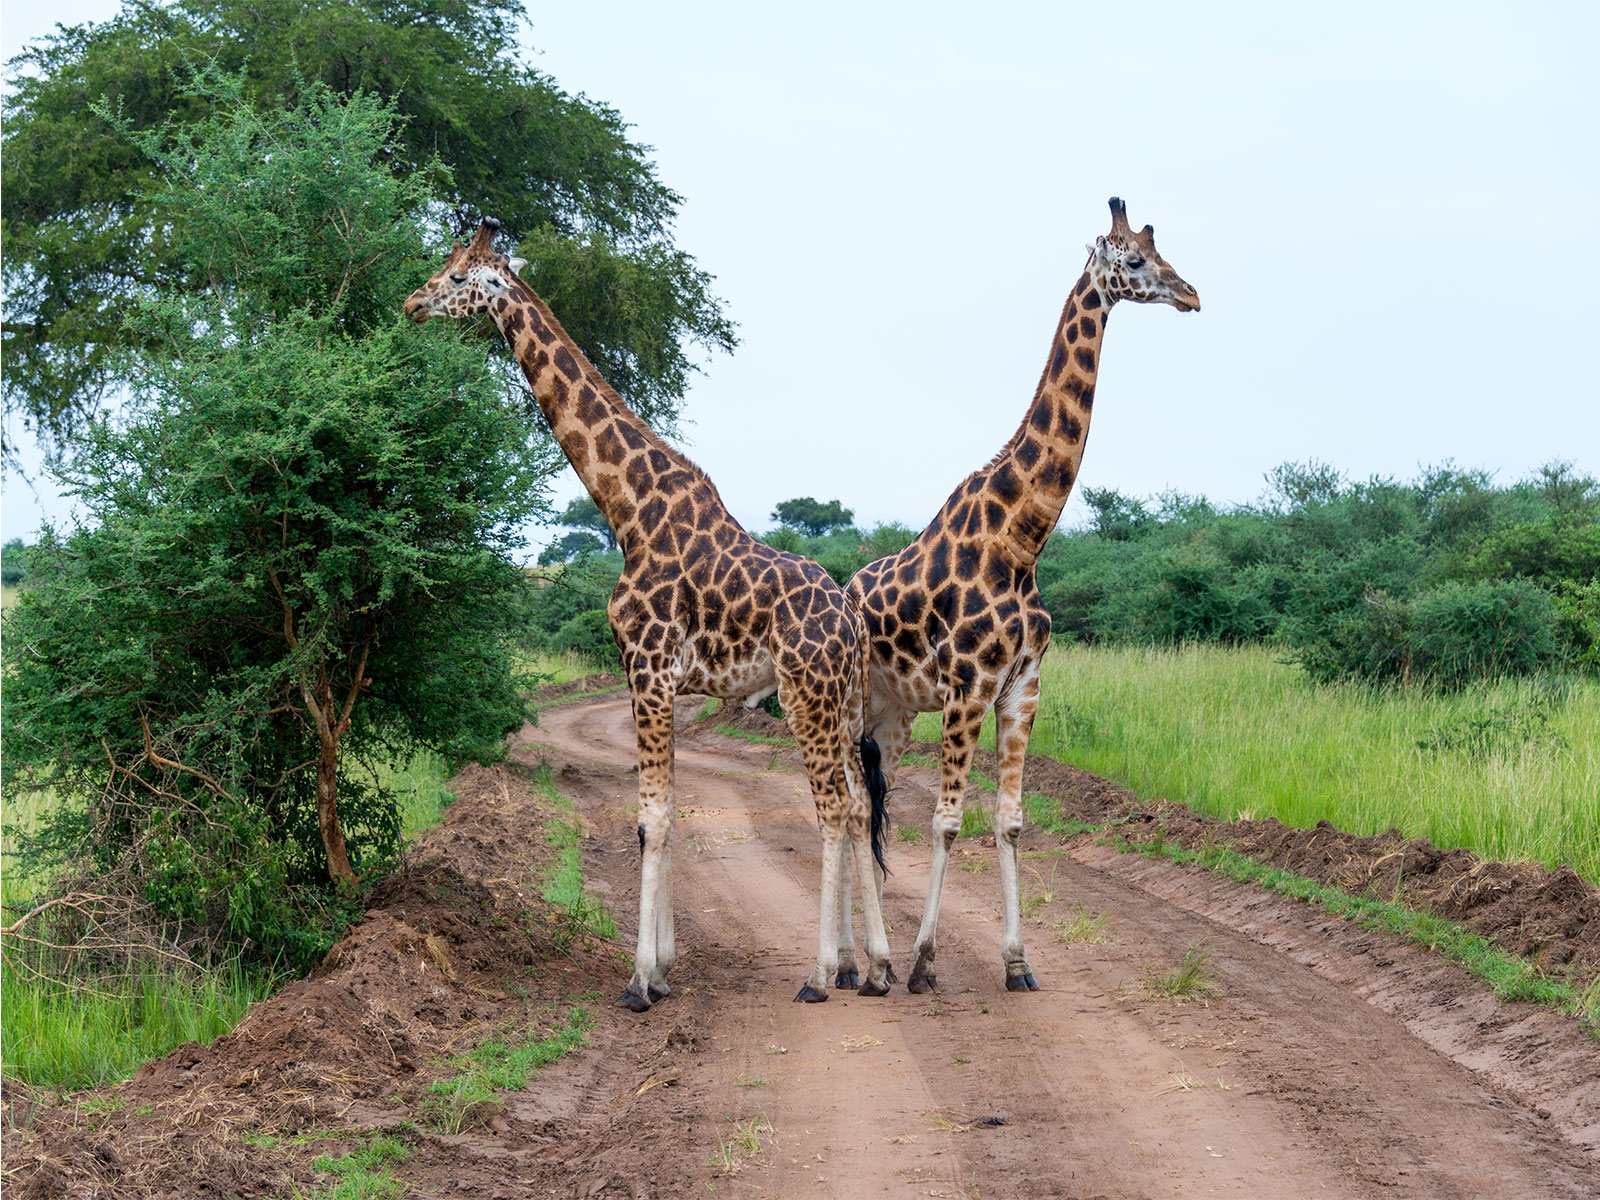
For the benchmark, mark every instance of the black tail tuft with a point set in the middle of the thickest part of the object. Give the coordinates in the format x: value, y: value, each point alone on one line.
x: 878, y: 789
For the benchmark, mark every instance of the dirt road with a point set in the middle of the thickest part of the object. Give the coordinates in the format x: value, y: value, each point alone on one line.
x: 1330, y: 1063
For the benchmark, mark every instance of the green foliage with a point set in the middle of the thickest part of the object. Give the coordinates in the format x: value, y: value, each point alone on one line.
x: 812, y: 517
x: 1480, y: 631
x: 584, y: 514
x: 298, y: 555
x: 85, y: 241
x: 14, y: 563
x: 568, y: 547
x: 1444, y: 580
x: 364, y: 1173
x: 589, y: 634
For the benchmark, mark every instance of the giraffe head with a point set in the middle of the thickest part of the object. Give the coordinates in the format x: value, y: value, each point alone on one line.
x: 1126, y: 266
x: 471, y: 277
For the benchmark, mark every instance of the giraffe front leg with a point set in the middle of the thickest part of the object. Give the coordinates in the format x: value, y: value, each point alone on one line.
x: 815, y: 989
x: 847, y: 976
x: 1013, y: 723
x: 652, y: 718
x: 961, y: 725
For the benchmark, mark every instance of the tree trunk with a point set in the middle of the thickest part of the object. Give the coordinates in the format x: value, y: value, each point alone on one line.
x: 339, y: 869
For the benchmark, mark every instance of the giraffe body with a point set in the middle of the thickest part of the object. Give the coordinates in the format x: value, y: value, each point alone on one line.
x: 701, y: 607
x: 955, y: 621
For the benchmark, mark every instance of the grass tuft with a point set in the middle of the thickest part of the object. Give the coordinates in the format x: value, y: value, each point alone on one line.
x: 1089, y: 930
x: 1190, y: 980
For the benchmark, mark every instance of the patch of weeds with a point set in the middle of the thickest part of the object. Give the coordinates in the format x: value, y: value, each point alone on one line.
x: 772, y: 708
x: 1033, y: 901
x: 973, y: 865
x: 1045, y: 812
x: 1191, y: 979
x: 1511, y: 978
x: 742, y: 1147
x: 1520, y: 720
x: 95, y: 1105
x: 364, y: 1173
x: 563, y: 886
x: 709, y: 709
x: 976, y: 820
x: 918, y: 759
x: 749, y: 1081
x: 910, y: 835
x: 1090, y: 930
x: 761, y: 739
x: 464, y: 1099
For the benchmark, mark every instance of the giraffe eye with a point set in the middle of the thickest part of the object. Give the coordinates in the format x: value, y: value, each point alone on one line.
x: 1135, y: 261
x: 458, y: 279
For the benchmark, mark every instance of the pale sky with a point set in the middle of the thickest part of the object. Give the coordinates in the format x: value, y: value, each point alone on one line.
x: 1387, y: 209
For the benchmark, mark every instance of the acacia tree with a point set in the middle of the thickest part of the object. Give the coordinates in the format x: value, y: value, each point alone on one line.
x: 84, y: 240
x: 813, y: 517
x: 298, y: 551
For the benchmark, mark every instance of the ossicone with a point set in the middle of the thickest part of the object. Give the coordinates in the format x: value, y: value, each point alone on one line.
x: 1119, y: 217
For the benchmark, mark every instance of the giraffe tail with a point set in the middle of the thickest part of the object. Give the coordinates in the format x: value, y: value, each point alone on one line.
x: 878, y: 790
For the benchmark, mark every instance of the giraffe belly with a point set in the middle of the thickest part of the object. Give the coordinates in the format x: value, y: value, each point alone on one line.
x: 730, y: 679
x: 917, y: 690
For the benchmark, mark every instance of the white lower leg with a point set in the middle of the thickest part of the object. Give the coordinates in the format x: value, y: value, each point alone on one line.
x: 828, y: 936
x: 1007, y: 829
x: 847, y: 940
x: 946, y: 823
x: 644, y: 954
x: 877, y: 939
x: 666, y: 936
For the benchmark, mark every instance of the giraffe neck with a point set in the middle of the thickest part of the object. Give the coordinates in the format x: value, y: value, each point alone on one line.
x: 632, y: 474
x: 1038, y: 466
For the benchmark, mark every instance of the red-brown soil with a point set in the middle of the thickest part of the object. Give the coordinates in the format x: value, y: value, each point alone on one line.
x: 1332, y: 1061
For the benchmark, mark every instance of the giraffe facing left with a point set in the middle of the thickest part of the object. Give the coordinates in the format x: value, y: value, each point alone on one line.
x: 701, y: 607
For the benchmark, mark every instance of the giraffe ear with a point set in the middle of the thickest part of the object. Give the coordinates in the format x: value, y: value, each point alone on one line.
x: 516, y: 265
x: 1099, y: 248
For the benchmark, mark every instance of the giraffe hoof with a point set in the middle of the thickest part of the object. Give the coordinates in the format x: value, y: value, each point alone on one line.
x: 869, y: 989
x: 1021, y: 983
x: 659, y: 993
x: 631, y: 1001
x: 922, y: 983
x: 847, y: 979
x: 810, y: 995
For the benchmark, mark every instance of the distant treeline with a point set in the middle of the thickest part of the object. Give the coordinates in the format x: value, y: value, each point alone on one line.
x: 1444, y: 579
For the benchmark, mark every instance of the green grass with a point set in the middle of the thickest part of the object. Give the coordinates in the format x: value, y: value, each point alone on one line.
x: 563, y: 883
x: 1189, y: 980
x: 761, y: 739
x: 66, y: 1039
x: 364, y: 1173
x: 1509, y: 771
x: 465, y: 1098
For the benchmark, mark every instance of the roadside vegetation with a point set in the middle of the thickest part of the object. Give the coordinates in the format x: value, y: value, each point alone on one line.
x: 1506, y: 769
x: 294, y: 607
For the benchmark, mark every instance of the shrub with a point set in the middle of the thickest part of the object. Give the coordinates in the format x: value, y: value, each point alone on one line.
x: 589, y: 634
x: 1466, y: 632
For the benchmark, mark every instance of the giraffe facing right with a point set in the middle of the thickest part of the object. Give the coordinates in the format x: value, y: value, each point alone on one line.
x: 955, y: 619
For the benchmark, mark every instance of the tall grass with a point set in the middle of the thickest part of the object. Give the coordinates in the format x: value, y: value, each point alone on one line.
x: 1509, y: 770
x: 65, y: 1039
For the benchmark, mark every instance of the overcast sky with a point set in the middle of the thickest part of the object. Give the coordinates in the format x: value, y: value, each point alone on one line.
x: 1388, y: 210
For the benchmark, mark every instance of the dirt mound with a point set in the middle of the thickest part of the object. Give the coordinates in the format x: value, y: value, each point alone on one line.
x: 449, y: 952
